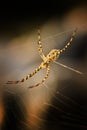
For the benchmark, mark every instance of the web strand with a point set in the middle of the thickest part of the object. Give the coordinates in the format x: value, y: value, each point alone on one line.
x: 67, y: 67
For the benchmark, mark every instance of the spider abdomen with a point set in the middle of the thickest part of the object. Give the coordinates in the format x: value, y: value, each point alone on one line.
x: 53, y: 55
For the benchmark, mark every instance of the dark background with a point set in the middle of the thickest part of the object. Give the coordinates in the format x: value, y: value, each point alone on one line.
x: 13, y: 14
x: 74, y: 115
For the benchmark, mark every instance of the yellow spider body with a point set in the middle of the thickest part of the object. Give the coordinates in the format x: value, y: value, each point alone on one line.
x: 52, y: 56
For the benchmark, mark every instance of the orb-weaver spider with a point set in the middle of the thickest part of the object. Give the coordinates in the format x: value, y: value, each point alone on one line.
x: 47, y: 60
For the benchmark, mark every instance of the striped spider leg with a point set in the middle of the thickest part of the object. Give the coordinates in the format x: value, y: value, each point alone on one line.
x: 51, y: 57
x: 40, y: 50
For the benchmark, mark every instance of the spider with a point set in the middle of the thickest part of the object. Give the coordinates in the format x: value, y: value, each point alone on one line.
x: 47, y: 60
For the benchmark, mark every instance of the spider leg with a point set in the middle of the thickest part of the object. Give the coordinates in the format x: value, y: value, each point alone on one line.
x: 26, y: 77
x: 43, y: 80
x: 40, y: 49
x: 70, y: 41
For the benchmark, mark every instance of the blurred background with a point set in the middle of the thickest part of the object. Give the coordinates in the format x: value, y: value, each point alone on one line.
x: 61, y: 103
